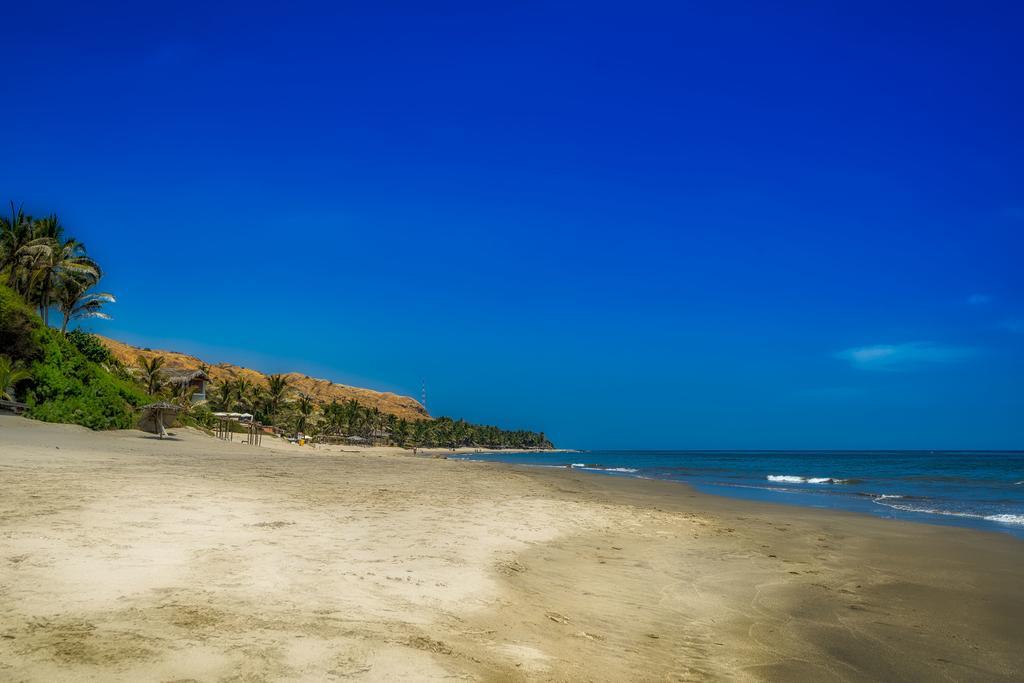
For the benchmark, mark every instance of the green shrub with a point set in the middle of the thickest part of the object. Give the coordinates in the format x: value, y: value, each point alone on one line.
x: 198, y: 416
x: 68, y: 387
x: 18, y: 324
x: 91, y: 347
x: 68, y: 383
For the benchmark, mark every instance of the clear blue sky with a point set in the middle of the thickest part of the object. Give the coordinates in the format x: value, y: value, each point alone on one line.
x: 717, y: 225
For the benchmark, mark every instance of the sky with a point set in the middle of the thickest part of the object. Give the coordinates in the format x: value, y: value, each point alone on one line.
x: 640, y: 225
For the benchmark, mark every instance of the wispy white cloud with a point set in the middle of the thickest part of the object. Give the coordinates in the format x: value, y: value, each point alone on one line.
x: 979, y: 299
x: 903, y: 356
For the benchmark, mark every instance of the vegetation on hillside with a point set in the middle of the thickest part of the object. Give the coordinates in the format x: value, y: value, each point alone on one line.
x: 276, y: 403
x: 321, y: 390
x: 91, y: 347
x: 151, y: 372
x: 11, y: 373
x: 64, y: 377
x: 71, y: 376
x: 63, y: 383
x: 18, y: 325
x: 68, y: 387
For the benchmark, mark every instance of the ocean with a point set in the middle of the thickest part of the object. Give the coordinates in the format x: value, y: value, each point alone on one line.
x: 980, y: 489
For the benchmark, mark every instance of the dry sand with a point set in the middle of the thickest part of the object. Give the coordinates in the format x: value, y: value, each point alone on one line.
x: 127, y: 558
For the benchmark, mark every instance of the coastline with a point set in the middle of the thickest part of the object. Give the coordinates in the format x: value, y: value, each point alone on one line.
x: 282, y: 445
x: 980, y: 490
x: 122, y: 553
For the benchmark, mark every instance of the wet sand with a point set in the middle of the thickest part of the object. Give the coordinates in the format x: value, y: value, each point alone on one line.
x: 127, y: 558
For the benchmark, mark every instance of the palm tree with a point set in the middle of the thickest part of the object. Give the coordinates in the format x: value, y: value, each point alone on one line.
x: 460, y: 433
x: 334, y: 416
x: 75, y: 302
x: 391, y: 423
x: 353, y: 412
x: 152, y: 372
x: 244, y: 393
x: 182, y: 392
x: 277, y: 388
x: 420, y: 433
x: 49, y: 261
x: 401, y: 431
x: 444, y: 431
x: 260, y: 401
x: 375, y: 422
x: 11, y: 374
x: 305, y: 406
x: 46, y: 268
x: 49, y: 227
x: 226, y: 395
x: 15, y: 233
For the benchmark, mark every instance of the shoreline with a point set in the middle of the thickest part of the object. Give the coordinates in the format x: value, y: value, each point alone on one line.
x: 121, y: 553
x: 824, y: 494
x: 460, y: 453
x: 277, y: 443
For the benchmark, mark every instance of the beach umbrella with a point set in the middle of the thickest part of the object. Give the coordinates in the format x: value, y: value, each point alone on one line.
x: 157, y: 416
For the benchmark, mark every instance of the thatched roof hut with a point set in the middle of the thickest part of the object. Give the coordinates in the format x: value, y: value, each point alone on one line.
x: 156, y: 417
x: 184, y: 375
x: 196, y: 379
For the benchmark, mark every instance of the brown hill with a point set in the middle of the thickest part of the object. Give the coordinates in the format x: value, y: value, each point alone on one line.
x: 320, y: 389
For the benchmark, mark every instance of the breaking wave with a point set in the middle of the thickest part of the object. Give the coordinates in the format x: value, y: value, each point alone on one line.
x: 887, y: 499
x: 598, y: 468
x: 1006, y: 519
x: 793, y: 479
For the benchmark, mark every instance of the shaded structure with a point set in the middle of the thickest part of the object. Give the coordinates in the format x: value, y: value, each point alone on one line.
x: 224, y: 429
x: 380, y: 437
x: 156, y: 417
x: 197, y: 380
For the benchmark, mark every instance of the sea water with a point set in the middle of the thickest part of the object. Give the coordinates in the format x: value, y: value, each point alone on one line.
x: 982, y: 489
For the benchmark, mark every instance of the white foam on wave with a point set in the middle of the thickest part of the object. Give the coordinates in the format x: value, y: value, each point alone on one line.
x: 1006, y: 519
x: 595, y: 468
x: 793, y: 479
x: 906, y: 507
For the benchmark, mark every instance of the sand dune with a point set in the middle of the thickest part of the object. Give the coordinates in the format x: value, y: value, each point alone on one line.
x: 127, y: 558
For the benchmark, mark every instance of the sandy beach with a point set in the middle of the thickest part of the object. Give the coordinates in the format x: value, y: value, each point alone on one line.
x: 127, y: 558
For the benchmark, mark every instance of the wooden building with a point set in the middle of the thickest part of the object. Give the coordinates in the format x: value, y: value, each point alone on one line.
x: 196, y: 379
